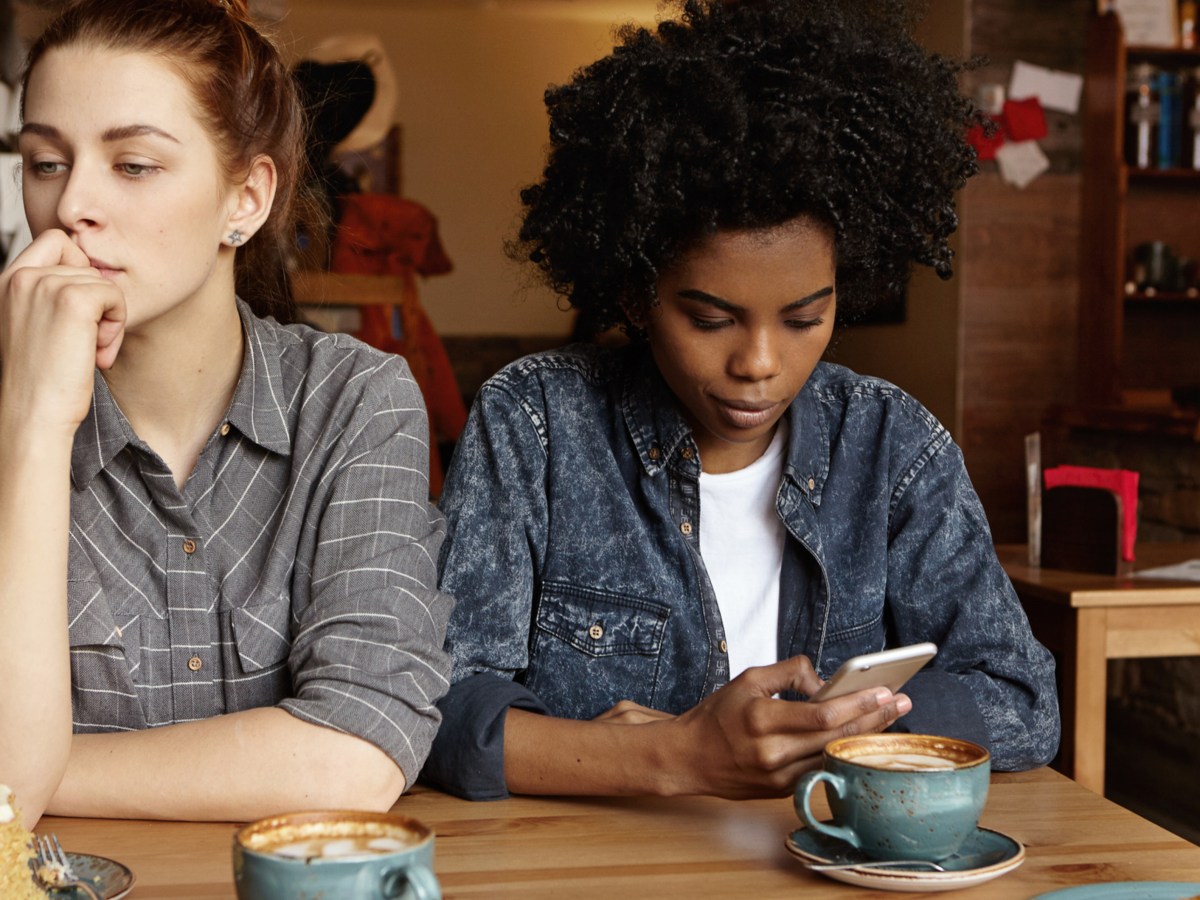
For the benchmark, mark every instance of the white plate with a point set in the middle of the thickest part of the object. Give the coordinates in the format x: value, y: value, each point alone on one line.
x: 987, y: 854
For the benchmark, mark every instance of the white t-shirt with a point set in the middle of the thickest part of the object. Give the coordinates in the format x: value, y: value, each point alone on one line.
x: 741, y: 541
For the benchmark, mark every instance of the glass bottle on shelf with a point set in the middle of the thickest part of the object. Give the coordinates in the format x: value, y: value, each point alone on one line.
x: 1191, y: 120
x: 1141, y: 117
x: 1187, y: 24
x: 1166, y: 83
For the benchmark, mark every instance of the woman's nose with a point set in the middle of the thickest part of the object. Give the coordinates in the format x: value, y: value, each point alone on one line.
x: 756, y: 356
x: 80, y: 206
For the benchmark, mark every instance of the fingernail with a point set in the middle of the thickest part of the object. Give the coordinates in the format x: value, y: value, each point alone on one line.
x: 903, y: 704
x: 883, y: 696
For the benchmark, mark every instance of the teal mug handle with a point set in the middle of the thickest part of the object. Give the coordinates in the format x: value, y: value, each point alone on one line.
x: 396, y: 883
x: 803, y: 797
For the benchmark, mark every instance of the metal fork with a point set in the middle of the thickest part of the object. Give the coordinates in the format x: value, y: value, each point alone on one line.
x: 54, y: 870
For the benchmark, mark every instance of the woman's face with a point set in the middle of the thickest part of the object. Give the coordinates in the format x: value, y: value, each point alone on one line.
x: 114, y: 155
x: 743, y: 320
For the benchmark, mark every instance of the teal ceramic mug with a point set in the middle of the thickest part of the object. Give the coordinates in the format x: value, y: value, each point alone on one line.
x: 321, y: 855
x: 899, y: 796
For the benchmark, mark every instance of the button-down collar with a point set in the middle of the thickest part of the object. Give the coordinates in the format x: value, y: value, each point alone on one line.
x: 258, y: 409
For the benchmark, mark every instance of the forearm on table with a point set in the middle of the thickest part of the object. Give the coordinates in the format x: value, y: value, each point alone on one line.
x: 547, y: 755
x: 35, y: 676
x: 235, y: 767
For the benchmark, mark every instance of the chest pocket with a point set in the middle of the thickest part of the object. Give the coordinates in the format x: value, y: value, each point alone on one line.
x: 261, y: 635
x: 849, y: 640
x: 106, y: 661
x: 256, y: 670
x: 591, y: 649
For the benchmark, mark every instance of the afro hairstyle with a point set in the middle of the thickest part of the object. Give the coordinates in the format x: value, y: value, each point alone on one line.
x: 745, y: 115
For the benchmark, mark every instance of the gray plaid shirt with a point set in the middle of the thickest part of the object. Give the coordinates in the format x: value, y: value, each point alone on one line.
x: 295, y: 568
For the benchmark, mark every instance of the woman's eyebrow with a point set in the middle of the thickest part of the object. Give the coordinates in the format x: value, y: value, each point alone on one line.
x: 726, y: 306
x: 119, y: 133
x: 46, y: 131
x: 122, y: 132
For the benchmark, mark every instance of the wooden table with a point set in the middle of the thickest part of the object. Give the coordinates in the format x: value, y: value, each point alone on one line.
x: 623, y: 849
x: 1087, y: 619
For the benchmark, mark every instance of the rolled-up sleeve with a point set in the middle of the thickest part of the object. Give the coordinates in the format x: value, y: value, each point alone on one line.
x: 367, y: 652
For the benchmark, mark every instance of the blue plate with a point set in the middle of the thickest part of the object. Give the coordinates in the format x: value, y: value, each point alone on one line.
x: 1127, y: 890
x: 985, y: 855
x: 982, y: 849
x: 108, y: 878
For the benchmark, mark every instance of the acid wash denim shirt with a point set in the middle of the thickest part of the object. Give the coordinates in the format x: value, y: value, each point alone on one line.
x: 573, y: 552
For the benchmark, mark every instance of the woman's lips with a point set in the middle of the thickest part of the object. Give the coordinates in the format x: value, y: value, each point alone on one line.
x: 746, y: 415
x: 104, y: 268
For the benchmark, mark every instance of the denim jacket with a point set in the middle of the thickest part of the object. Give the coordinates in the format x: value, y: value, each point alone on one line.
x: 574, y: 519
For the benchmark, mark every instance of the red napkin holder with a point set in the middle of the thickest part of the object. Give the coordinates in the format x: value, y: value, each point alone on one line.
x: 1089, y: 519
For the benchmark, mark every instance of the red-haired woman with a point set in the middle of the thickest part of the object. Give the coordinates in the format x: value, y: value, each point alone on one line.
x: 219, y: 593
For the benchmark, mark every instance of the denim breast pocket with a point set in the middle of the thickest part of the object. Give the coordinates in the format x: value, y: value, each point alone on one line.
x: 844, y: 640
x: 593, y: 648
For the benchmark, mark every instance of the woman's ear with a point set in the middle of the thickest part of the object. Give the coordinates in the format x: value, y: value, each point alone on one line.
x: 633, y: 315
x: 251, y: 201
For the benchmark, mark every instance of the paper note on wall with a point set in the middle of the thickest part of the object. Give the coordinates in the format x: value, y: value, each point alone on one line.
x: 1054, y: 89
x: 1149, y: 23
x: 1020, y: 162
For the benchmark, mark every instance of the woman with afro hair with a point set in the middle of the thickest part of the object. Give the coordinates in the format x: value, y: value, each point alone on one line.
x: 659, y: 551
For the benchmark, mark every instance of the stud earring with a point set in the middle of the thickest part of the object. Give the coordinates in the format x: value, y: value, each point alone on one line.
x: 235, y: 237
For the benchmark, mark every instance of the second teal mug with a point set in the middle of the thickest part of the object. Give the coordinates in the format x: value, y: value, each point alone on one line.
x: 899, y: 796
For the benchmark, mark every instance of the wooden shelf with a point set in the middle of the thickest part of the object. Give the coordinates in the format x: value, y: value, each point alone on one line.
x: 1140, y: 340
x: 1189, y: 298
x: 1184, y: 56
x: 1176, y: 176
x: 1164, y: 421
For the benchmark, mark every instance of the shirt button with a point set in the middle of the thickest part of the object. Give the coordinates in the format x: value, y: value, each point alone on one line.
x: 596, y: 632
x: 655, y: 453
x: 225, y: 429
x: 724, y: 647
x: 686, y: 527
x: 812, y: 483
x: 687, y: 452
x: 189, y: 546
x: 195, y: 663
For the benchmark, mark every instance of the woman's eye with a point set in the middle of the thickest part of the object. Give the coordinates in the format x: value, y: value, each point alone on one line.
x: 804, y: 324
x: 46, y: 168
x: 709, y: 324
x: 136, y: 170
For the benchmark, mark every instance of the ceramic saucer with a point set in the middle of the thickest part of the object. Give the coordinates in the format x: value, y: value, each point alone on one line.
x: 108, y: 878
x: 985, y: 855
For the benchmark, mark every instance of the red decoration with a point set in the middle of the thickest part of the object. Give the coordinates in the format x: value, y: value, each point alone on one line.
x: 985, y: 146
x: 1024, y: 120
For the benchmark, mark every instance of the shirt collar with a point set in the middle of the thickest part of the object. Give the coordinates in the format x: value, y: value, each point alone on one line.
x: 651, y: 412
x: 809, y: 445
x: 260, y: 403
x: 658, y: 430
x: 258, y: 409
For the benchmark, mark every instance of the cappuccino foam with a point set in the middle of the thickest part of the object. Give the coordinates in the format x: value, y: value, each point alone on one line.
x: 332, y: 840
x: 904, y: 762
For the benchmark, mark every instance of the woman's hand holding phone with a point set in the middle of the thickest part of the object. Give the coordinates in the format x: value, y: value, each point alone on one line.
x: 742, y: 741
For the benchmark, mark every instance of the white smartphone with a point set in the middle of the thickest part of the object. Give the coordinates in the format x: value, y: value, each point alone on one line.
x: 887, y: 668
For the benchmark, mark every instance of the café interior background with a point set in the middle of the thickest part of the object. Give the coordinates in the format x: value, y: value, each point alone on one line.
x: 992, y: 352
